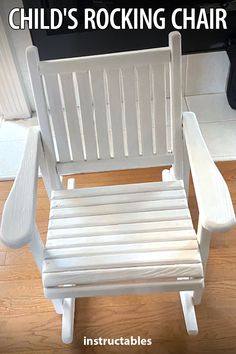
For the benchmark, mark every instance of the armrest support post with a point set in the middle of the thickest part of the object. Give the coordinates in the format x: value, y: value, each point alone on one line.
x: 36, y: 248
x: 204, y: 240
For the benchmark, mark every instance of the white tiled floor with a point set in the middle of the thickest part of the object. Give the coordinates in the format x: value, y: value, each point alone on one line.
x: 217, y: 122
x: 211, y: 107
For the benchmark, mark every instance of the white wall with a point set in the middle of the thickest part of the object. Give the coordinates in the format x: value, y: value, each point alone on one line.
x: 19, y: 40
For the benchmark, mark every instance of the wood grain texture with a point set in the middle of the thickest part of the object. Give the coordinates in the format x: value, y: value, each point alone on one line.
x: 29, y: 324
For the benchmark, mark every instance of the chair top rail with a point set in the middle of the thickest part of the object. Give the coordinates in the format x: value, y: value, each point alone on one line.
x: 114, y: 60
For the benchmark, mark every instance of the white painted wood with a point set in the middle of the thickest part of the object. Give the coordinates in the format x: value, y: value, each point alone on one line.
x: 121, y: 289
x: 189, y: 312
x: 50, y: 176
x: 37, y: 248
x: 115, y: 111
x: 214, y: 201
x: 86, y: 108
x: 99, y: 276
x: 184, y: 78
x: 204, y: 240
x: 118, y: 208
x: 18, y: 218
x: 111, y: 165
x: 114, y: 60
x: 186, y: 168
x: 115, y: 91
x: 44, y: 172
x: 157, y: 236
x: 58, y: 121
x: 184, y: 224
x: 71, y: 183
x: 72, y: 117
x: 110, y: 256
x: 67, y: 330
x: 166, y: 177
x: 119, y: 189
x: 14, y: 103
x: 126, y: 260
x: 100, y: 113
x: 42, y: 115
x: 176, y: 102
x: 58, y: 306
x: 129, y: 99
x: 144, y: 109
x: 159, y: 107
x: 120, y: 248
x: 68, y: 307
x: 91, y: 257
x: 113, y: 219
x: 137, y: 197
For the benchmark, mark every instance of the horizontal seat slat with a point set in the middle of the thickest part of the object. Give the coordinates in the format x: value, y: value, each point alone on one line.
x: 121, y: 260
x: 118, y: 189
x: 118, y: 198
x: 185, y: 224
x: 119, y: 289
x: 121, y: 249
x: 107, y: 209
x: 141, y: 237
x: 122, y: 274
x: 113, y: 219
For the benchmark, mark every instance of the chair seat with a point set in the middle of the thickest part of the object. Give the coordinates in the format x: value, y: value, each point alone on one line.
x: 121, y: 239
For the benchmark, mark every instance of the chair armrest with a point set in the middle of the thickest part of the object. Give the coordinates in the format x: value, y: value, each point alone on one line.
x: 213, y: 198
x: 18, y: 218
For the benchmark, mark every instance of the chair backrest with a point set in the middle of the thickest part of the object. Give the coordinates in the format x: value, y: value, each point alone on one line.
x: 113, y: 111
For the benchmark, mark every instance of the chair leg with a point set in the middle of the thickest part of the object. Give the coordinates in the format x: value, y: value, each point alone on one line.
x: 58, y: 306
x: 68, y: 320
x: 189, y: 312
x: 197, y: 297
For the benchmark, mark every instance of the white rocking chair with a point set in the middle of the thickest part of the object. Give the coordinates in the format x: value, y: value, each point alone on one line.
x: 112, y: 112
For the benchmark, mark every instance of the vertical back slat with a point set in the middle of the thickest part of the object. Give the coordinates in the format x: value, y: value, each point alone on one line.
x: 130, y: 109
x: 86, y: 107
x: 115, y: 110
x: 53, y: 93
x: 72, y: 116
x: 98, y: 92
x: 144, y: 103
x: 159, y: 105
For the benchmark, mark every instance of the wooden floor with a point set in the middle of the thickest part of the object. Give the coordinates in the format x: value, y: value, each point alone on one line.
x: 28, y: 323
